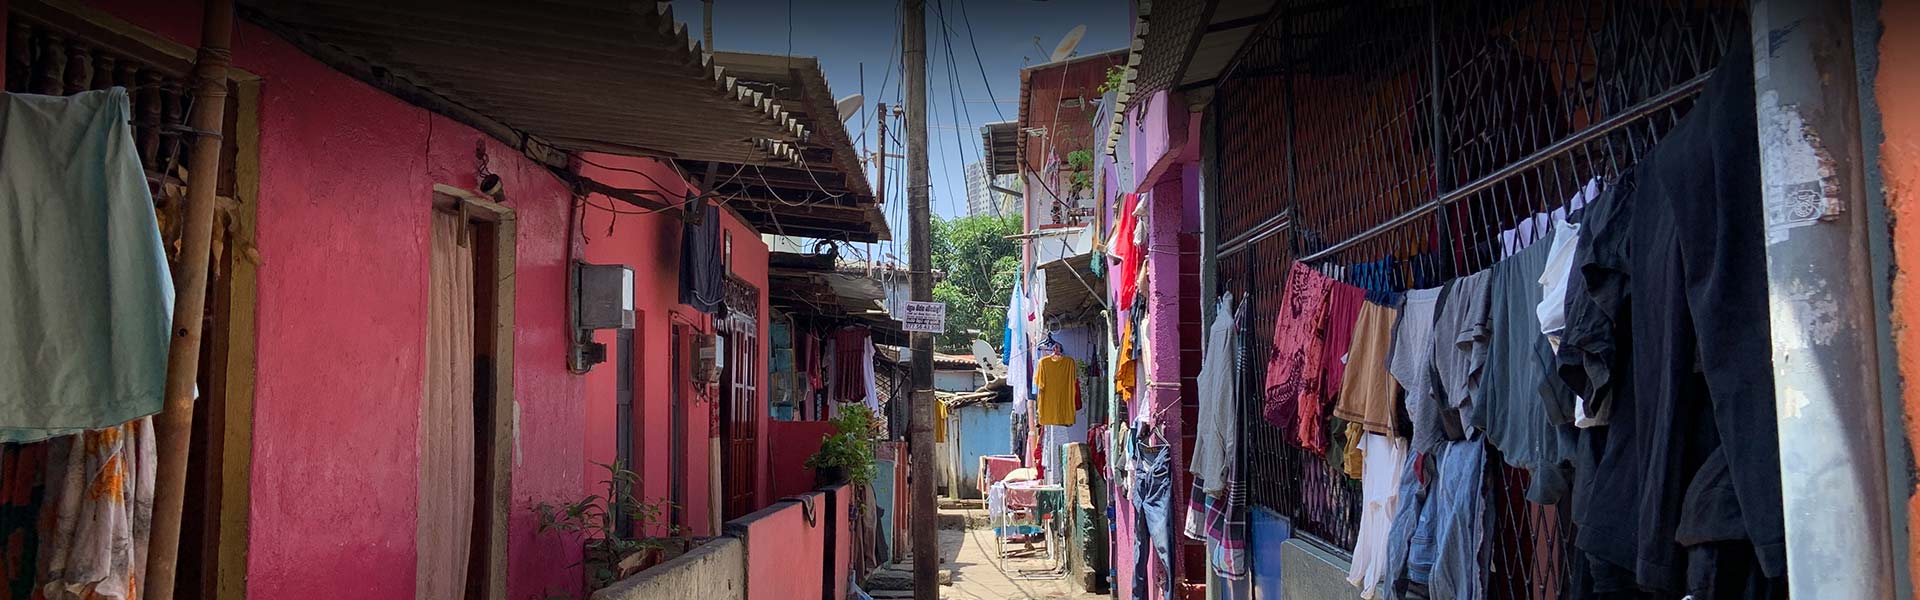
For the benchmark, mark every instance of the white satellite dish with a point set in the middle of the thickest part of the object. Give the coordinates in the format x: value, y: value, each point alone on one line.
x: 848, y: 106
x: 1067, y: 44
x: 989, y: 360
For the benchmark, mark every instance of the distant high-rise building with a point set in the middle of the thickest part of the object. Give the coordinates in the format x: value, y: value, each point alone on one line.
x: 982, y: 199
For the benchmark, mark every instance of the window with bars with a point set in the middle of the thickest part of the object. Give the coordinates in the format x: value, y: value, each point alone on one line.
x: 1418, y: 131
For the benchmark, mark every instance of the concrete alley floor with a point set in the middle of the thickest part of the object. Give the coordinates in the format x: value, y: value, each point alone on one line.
x: 977, y: 574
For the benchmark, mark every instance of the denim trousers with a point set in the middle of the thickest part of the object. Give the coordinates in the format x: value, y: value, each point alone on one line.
x: 1153, y: 518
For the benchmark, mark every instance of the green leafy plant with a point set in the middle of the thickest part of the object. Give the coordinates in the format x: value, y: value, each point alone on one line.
x: 1080, y: 171
x: 1116, y: 75
x: 850, y: 448
x: 596, y: 520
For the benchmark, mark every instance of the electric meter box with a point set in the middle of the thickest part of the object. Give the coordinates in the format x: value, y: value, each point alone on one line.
x: 603, y: 296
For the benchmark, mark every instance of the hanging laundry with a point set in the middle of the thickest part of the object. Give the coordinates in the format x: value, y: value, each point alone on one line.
x: 1410, y: 363
x: 1216, y: 432
x: 1016, y: 348
x: 1054, y: 377
x: 1343, y: 310
x: 23, y: 497
x: 939, y: 422
x: 1385, y: 457
x: 702, y: 274
x: 851, y: 364
x: 1127, y: 250
x: 1125, y: 376
x: 84, y: 322
x: 1518, y: 392
x: 103, y: 509
x: 1460, y: 334
x: 1293, y: 371
x: 1699, y: 293
x: 1368, y: 393
x: 1353, y: 450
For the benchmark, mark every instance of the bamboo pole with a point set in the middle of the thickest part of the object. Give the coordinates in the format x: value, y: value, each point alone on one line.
x: 175, y: 424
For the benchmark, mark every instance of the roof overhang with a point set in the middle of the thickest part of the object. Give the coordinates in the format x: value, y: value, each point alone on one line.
x: 823, y: 195
x: 1184, y: 46
x: 618, y: 78
x: 1074, y: 292
x: 806, y: 285
x: 1002, y: 142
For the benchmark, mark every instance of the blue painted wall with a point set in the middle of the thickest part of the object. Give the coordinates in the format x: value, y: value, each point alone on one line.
x: 984, y: 430
x: 883, y: 500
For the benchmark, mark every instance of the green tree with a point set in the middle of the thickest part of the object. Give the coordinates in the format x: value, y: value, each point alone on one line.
x: 978, y: 265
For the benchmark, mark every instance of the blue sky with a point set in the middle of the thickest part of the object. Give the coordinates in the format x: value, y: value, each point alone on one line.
x: 851, y: 35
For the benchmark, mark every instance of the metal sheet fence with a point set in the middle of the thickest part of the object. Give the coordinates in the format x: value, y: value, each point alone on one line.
x: 1418, y: 131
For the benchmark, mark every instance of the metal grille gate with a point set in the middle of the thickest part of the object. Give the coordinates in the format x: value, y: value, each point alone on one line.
x: 1418, y: 131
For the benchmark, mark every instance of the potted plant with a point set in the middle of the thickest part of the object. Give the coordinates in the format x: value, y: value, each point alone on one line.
x: 608, y: 556
x: 847, y: 455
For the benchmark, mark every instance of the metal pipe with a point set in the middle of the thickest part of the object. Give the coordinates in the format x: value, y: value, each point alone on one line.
x: 1630, y: 116
x: 174, y: 427
x: 1820, y: 298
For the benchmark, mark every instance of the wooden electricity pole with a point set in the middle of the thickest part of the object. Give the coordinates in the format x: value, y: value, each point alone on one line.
x: 174, y: 426
x: 926, y: 540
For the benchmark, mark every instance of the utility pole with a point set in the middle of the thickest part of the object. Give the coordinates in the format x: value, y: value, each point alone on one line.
x: 1820, y: 292
x: 926, y: 541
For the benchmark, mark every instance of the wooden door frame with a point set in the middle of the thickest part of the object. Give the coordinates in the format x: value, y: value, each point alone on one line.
x: 504, y: 227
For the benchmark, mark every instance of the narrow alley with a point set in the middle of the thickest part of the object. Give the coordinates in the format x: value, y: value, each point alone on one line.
x: 959, y: 299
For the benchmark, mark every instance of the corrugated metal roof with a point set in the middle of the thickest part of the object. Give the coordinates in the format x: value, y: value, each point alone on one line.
x: 579, y: 75
x: 1073, y: 290
x: 826, y: 194
x: 1001, y: 141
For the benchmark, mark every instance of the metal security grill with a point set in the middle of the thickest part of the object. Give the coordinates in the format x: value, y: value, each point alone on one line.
x: 1415, y: 132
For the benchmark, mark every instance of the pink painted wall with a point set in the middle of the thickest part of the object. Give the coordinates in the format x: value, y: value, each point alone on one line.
x: 343, y: 213
x: 791, y: 443
x: 784, y: 551
x: 650, y: 245
x: 842, y: 539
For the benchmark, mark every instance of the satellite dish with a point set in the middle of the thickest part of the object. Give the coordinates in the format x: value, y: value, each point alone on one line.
x: 989, y: 360
x: 848, y: 106
x: 1067, y: 44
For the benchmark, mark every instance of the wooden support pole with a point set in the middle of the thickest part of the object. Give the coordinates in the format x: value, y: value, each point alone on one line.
x: 175, y: 423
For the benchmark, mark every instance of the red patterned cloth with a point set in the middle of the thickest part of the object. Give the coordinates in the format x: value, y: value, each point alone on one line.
x: 1294, y: 371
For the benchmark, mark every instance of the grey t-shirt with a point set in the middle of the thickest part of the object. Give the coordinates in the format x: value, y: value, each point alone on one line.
x: 1460, y: 334
x: 1411, y: 365
x: 1518, y: 384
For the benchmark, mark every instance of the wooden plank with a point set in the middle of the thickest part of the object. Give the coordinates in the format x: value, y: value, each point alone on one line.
x: 236, y: 460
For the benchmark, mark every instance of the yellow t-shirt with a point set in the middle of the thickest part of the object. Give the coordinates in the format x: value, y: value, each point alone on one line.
x: 1124, y: 376
x: 939, y: 422
x: 1056, y: 378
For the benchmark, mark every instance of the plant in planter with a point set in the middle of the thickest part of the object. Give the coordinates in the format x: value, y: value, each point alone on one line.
x: 609, y: 556
x: 847, y: 455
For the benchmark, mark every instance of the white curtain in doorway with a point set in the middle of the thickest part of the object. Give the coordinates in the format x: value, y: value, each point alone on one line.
x: 446, y: 417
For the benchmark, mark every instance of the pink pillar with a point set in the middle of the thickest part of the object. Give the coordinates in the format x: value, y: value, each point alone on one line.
x: 1163, y: 374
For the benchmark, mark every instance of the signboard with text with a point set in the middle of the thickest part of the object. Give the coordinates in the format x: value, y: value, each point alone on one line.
x: 928, y: 317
